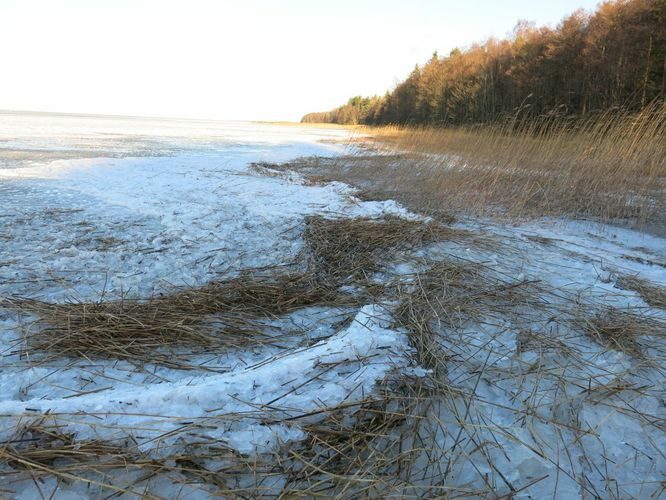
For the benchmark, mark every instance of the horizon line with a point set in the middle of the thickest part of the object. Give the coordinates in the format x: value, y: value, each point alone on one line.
x: 154, y: 117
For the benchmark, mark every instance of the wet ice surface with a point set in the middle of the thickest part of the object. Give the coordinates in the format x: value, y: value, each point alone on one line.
x: 173, y: 203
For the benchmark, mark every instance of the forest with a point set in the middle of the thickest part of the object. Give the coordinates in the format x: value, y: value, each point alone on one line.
x: 594, y: 62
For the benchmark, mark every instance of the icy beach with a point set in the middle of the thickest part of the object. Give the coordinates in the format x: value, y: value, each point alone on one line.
x: 529, y: 395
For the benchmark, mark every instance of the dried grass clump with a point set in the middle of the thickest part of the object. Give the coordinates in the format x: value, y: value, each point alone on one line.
x: 367, y: 450
x: 621, y: 330
x: 219, y: 315
x: 345, y: 249
x: 41, y: 445
x: 41, y: 449
x: 652, y: 294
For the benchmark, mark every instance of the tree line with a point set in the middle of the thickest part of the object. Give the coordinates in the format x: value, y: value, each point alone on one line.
x: 590, y: 62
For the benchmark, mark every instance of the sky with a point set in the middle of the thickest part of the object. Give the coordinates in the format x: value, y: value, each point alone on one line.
x: 234, y: 59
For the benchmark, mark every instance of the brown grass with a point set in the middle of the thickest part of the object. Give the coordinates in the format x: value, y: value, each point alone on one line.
x: 223, y: 315
x: 609, y: 166
x: 220, y: 315
x: 355, y: 448
x: 652, y: 294
x: 621, y: 330
x: 355, y: 248
x: 41, y: 449
x: 41, y: 443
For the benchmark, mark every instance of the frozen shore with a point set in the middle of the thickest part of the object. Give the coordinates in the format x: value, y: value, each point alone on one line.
x: 535, y: 408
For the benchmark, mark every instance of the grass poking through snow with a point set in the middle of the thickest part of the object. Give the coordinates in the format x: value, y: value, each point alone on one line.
x: 471, y: 327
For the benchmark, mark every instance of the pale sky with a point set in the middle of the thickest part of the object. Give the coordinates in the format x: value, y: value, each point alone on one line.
x: 251, y: 59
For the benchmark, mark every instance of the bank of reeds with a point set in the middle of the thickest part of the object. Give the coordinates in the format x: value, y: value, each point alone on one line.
x: 608, y: 166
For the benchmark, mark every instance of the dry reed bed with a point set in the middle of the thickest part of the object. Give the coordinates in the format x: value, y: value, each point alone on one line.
x: 610, y: 166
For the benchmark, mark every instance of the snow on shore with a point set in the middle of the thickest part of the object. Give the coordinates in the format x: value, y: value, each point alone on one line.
x: 185, y: 209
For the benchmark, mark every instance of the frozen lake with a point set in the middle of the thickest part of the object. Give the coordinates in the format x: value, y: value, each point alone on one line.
x: 140, y: 200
